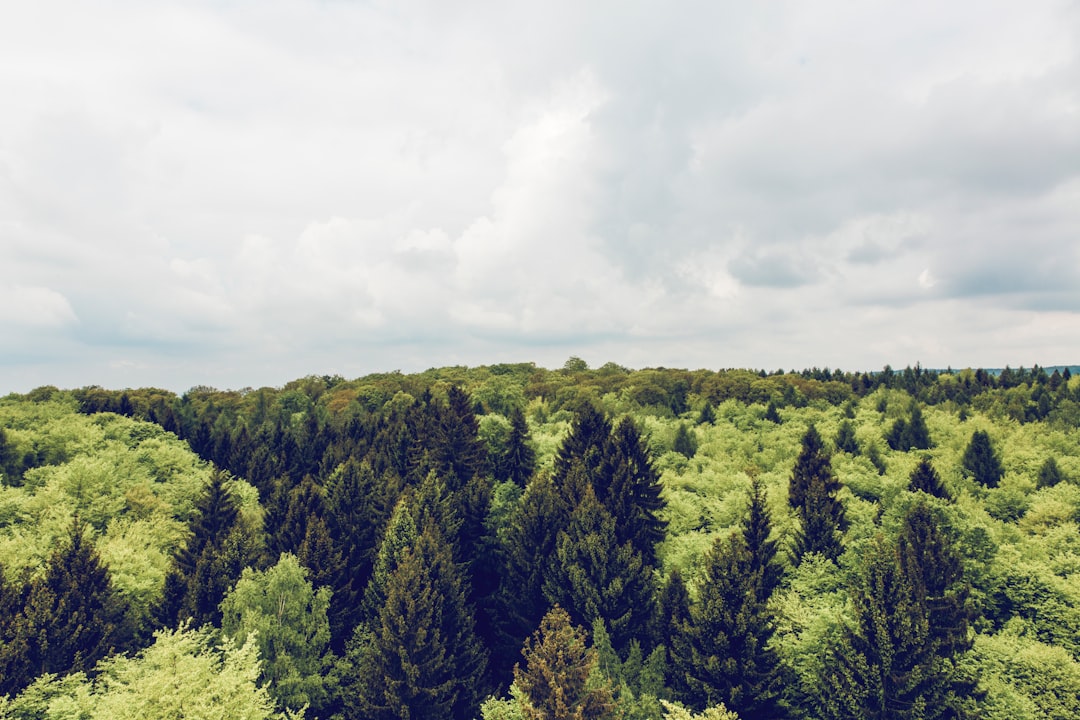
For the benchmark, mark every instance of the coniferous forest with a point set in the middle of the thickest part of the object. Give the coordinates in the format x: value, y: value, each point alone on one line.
x: 510, y: 542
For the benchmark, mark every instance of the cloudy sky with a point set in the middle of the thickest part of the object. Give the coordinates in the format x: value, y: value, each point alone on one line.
x: 239, y: 193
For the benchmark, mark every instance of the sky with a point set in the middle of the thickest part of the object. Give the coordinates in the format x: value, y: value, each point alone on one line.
x: 239, y: 193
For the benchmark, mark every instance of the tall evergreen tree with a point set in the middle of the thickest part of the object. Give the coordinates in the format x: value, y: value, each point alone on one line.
x: 812, y: 491
x: 756, y: 530
x: 519, y: 463
x: 685, y: 443
x: 981, y: 461
x: 71, y: 617
x: 629, y: 487
x: 1049, y: 473
x: 528, y: 549
x: 399, y: 538
x: 593, y: 576
x: 925, y: 478
x: 723, y: 651
x: 421, y: 658
x: 358, y: 507
x: 845, y: 438
x: 555, y: 681
x: 886, y: 666
x: 585, y: 444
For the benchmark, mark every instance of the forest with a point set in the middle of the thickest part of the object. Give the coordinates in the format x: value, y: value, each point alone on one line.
x: 509, y: 542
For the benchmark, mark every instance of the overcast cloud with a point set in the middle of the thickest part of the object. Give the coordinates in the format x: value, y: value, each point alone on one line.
x: 241, y: 193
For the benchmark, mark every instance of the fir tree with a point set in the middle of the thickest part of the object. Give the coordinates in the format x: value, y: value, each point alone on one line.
x: 707, y: 416
x: 585, y: 444
x: 771, y: 413
x: 924, y: 478
x: 358, y: 507
x: 400, y: 536
x: 812, y: 491
x: 556, y: 681
x: 812, y: 463
x: 980, y: 460
x: 528, y: 549
x: 723, y: 651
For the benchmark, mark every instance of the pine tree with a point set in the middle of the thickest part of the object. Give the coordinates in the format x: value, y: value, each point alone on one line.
x: 822, y: 520
x: 400, y: 537
x: 981, y: 461
x: 771, y: 413
x: 520, y: 459
x: 723, y: 651
x: 556, y: 681
x: 924, y: 478
x: 918, y: 435
x: 593, y: 576
x: 422, y: 658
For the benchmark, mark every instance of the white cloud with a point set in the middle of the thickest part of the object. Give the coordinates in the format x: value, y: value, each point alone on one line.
x: 365, y: 185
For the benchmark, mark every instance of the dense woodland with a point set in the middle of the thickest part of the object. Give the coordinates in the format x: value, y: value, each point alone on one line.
x: 510, y: 542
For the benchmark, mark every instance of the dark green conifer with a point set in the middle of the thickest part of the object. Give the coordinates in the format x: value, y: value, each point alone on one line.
x: 891, y: 664
x: 519, y: 462
x: 685, y: 443
x: 813, y: 462
x: 845, y: 438
x: 756, y: 530
x: 771, y: 413
x: 924, y: 478
x: 71, y: 616
x: 723, y: 651
x: 707, y: 416
x: 822, y: 520
x: 918, y: 435
x: 585, y: 444
x: 980, y: 460
x: 1049, y: 473
x: 421, y: 658
x: 593, y: 576
x: 629, y: 487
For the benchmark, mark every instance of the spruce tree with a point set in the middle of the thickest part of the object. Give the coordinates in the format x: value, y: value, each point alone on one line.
x: 812, y: 463
x: 924, y: 478
x: 707, y: 416
x: 585, y: 444
x: 399, y: 538
x: 528, y: 549
x: 886, y: 666
x: 918, y: 435
x: 723, y: 651
x: 519, y: 461
x: 629, y: 487
x: 72, y: 615
x: 421, y: 658
x: 1049, y: 473
x: 845, y: 438
x: 685, y: 443
x: 673, y: 614
x: 556, y: 678
x: 358, y: 507
x: 593, y: 576
x: 771, y: 413
x: 812, y: 491
x: 980, y: 460
x: 756, y: 530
